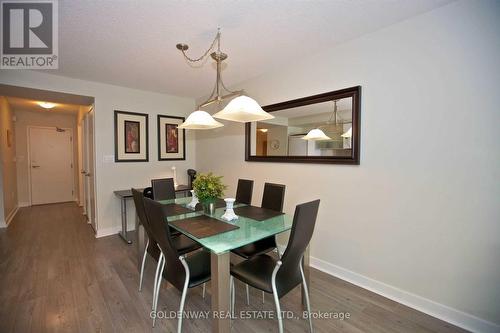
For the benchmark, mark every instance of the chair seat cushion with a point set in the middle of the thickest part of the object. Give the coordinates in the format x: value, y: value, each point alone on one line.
x: 256, y: 248
x: 185, y: 244
x: 256, y: 272
x: 199, y: 268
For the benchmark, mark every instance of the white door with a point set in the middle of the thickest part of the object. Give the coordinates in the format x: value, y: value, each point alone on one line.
x: 51, y: 165
x: 89, y: 173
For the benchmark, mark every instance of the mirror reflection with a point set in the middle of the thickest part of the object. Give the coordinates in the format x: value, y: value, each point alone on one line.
x: 321, y: 129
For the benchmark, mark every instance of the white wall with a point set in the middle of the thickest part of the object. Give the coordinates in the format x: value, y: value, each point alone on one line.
x: 114, y: 176
x: 418, y: 220
x: 8, y: 175
x: 24, y: 119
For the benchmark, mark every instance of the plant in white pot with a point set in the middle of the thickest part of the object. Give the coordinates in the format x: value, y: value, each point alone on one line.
x: 208, y: 188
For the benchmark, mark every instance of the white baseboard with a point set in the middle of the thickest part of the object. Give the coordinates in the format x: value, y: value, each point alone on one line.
x: 10, y: 217
x: 441, y: 311
x: 109, y: 231
x: 23, y: 204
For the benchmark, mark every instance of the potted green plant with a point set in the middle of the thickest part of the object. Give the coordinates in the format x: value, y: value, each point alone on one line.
x: 208, y: 188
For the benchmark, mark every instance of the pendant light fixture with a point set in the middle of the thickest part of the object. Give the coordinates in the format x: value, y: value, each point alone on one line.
x: 240, y: 109
x: 347, y: 134
x: 317, y: 134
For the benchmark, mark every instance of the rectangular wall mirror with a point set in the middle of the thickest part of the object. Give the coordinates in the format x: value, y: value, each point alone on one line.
x: 322, y: 128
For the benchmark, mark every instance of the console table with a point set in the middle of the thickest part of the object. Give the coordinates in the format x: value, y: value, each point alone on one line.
x: 123, y: 195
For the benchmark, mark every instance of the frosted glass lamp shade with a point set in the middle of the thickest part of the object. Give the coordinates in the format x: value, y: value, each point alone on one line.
x: 316, y: 135
x: 347, y: 134
x: 243, y: 109
x: 200, y: 120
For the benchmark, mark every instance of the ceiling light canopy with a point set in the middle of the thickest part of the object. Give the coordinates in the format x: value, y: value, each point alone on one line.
x: 200, y: 120
x: 316, y: 135
x: 46, y: 105
x: 240, y: 109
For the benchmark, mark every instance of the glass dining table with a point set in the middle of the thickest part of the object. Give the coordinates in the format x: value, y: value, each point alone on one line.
x: 220, y: 246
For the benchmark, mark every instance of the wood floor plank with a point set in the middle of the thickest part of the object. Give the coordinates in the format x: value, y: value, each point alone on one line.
x: 57, y: 277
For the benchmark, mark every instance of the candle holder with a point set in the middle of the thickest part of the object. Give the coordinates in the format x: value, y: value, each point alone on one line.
x: 229, y: 215
x: 194, y: 200
x: 174, y: 174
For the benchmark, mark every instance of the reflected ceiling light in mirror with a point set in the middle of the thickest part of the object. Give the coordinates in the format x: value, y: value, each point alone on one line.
x: 243, y: 109
x: 200, y: 120
x: 316, y: 135
x: 263, y: 130
x: 347, y: 134
x: 240, y: 109
x: 46, y: 105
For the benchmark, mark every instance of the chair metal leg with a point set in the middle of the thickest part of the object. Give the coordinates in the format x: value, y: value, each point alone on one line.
x: 276, y: 298
x: 184, y: 292
x: 204, y: 288
x: 306, y: 292
x: 248, y: 294
x: 160, y: 261
x: 158, y: 285
x: 143, y: 264
x: 158, y: 267
x: 232, y: 291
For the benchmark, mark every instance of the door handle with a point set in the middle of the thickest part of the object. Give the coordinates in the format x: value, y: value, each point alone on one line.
x: 83, y: 172
x: 35, y: 166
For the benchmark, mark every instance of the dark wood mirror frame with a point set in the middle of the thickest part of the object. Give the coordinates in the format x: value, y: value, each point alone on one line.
x: 353, y: 92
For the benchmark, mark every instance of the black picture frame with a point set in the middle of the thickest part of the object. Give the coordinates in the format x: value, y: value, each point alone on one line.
x: 352, y: 92
x: 131, y: 156
x: 174, y: 121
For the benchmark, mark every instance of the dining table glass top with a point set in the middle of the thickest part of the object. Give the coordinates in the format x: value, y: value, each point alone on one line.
x: 248, y: 232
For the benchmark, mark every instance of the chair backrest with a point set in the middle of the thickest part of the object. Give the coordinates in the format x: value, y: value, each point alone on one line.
x: 304, y: 220
x: 148, y: 192
x: 273, y: 197
x: 163, y: 189
x: 139, y: 208
x: 157, y: 217
x: 191, y: 177
x: 244, y: 191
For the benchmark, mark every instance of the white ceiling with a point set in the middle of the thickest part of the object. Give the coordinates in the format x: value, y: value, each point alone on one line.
x: 132, y: 43
x: 23, y: 104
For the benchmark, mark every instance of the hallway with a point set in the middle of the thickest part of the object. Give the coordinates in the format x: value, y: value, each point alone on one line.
x: 56, y: 277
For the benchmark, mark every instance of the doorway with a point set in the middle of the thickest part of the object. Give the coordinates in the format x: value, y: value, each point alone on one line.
x: 52, y: 135
x: 51, y: 165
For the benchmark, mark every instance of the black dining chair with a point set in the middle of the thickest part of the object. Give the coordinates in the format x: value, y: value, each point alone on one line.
x: 244, y: 191
x: 163, y: 189
x: 151, y: 246
x: 182, y: 243
x: 272, y: 198
x: 183, y: 272
x: 278, y: 277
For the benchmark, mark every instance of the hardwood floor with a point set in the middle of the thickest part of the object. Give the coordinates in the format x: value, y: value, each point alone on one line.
x: 56, y: 277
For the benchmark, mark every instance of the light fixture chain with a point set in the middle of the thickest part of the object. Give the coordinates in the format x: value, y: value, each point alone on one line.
x: 217, y: 37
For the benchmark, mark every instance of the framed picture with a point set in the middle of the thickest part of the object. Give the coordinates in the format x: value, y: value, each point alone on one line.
x: 171, y: 140
x: 131, y: 137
